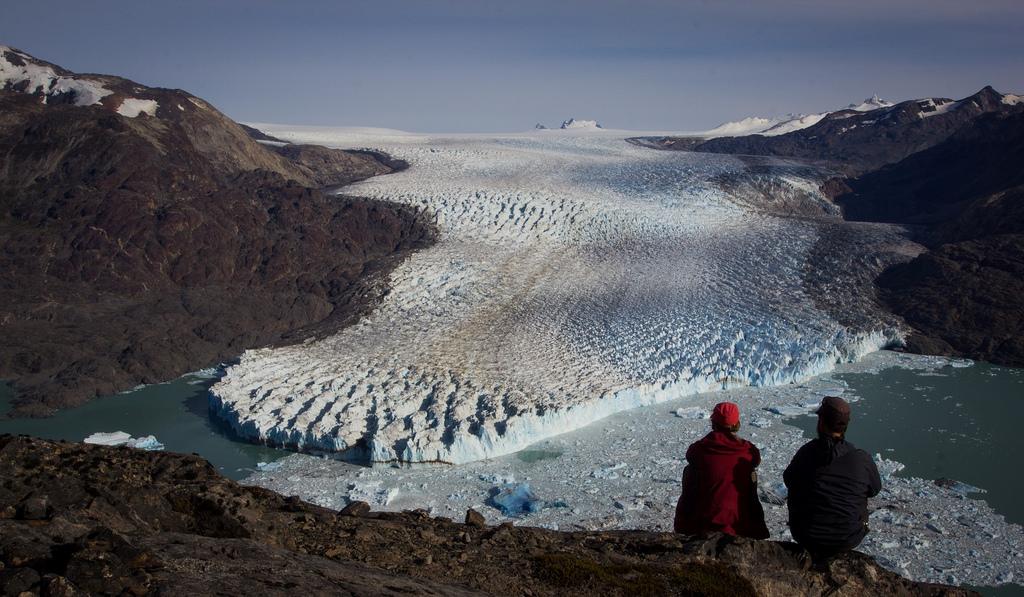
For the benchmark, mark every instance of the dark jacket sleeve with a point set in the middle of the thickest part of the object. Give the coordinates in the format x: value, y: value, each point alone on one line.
x: 874, y: 480
x: 797, y: 468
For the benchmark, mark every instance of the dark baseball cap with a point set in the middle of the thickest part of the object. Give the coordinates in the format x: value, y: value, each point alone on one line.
x: 833, y: 410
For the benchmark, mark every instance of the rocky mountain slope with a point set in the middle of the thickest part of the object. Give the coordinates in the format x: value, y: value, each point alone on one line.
x: 855, y: 142
x: 953, y: 171
x: 78, y: 519
x: 145, y: 235
x: 966, y: 296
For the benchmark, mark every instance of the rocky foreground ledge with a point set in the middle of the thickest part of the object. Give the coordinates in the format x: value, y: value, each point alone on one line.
x: 78, y: 520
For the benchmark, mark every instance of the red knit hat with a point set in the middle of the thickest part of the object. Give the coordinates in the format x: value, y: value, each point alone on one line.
x: 726, y: 414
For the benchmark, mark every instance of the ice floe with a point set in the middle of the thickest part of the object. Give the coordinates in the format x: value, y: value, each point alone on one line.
x: 120, y: 438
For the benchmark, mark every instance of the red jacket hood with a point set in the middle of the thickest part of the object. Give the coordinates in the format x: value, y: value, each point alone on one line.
x: 723, y: 442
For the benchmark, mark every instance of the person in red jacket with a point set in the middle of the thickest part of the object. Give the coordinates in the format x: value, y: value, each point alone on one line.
x: 719, y: 483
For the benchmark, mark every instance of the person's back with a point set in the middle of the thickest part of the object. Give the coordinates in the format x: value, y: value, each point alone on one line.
x: 722, y: 494
x: 829, y: 482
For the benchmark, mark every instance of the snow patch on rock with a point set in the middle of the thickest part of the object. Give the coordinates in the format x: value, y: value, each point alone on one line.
x: 21, y: 70
x: 133, y: 107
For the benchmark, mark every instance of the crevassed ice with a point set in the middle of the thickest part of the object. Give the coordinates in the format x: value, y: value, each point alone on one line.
x: 574, y: 277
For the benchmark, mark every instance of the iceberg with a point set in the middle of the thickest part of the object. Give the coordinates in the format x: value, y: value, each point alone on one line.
x: 886, y: 467
x: 116, y: 438
x: 145, y: 443
x: 693, y: 412
x: 120, y: 438
x: 518, y: 500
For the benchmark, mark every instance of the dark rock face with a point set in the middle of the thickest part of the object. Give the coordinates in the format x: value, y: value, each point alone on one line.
x: 337, y: 168
x: 858, y: 142
x: 954, y: 172
x: 966, y: 296
x: 137, y: 249
x: 123, y: 521
x: 935, y: 186
x: 963, y: 299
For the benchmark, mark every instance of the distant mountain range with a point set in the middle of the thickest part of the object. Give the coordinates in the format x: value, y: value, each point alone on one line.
x: 954, y: 171
x: 854, y: 140
x: 146, y: 235
x: 573, y: 124
x: 781, y: 125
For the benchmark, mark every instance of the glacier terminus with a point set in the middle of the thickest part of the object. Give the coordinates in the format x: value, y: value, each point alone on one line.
x: 574, y: 276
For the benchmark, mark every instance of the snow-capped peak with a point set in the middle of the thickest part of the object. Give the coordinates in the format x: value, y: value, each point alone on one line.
x: 21, y: 72
x: 572, y: 123
x: 781, y: 125
x: 752, y: 126
x: 872, y: 103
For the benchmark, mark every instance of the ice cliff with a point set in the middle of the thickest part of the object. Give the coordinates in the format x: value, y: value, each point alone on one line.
x: 575, y: 277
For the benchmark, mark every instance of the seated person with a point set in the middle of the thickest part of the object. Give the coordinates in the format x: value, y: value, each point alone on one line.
x: 829, y: 482
x: 719, y: 483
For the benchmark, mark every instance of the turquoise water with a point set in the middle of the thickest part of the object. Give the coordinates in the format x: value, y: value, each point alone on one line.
x: 960, y: 423
x: 175, y: 413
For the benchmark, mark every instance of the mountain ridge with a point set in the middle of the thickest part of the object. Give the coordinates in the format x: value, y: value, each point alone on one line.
x: 139, y: 247
x: 855, y: 142
x: 788, y: 123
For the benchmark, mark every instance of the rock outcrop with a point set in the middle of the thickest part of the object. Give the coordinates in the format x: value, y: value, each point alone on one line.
x: 146, y: 235
x: 99, y: 520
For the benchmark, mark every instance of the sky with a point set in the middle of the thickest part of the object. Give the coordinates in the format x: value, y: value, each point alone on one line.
x: 481, y: 66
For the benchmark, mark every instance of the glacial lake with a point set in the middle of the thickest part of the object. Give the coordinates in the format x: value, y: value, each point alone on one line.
x: 175, y: 413
x: 962, y: 423
x: 956, y: 422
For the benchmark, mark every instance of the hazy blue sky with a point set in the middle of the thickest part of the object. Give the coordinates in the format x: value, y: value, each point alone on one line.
x: 482, y: 66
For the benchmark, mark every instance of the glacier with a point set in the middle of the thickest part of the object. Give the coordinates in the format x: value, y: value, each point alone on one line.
x: 575, y: 276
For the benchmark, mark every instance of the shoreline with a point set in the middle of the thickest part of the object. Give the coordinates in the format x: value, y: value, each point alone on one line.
x: 622, y: 472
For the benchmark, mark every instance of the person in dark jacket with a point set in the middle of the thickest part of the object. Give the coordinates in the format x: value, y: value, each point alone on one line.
x: 719, y: 483
x: 829, y: 482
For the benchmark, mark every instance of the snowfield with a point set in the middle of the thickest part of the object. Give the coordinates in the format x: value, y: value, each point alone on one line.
x: 576, y: 276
